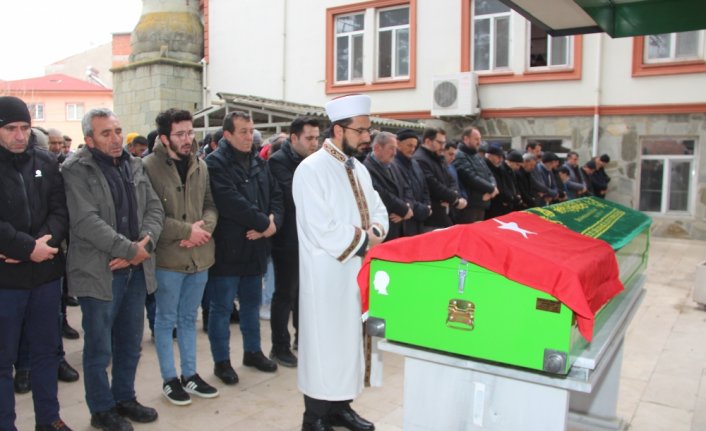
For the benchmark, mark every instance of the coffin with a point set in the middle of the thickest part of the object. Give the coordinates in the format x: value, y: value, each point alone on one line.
x: 527, y: 289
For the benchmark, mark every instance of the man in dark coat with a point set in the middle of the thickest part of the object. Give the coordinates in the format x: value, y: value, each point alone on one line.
x: 303, y: 141
x: 506, y: 199
x: 33, y: 224
x: 444, y: 196
x: 388, y: 182
x: 416, y: 192
x: 474, y: 176
x: 250, y: 210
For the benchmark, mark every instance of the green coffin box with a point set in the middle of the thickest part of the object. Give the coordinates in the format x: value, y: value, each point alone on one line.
x: 457, y: 306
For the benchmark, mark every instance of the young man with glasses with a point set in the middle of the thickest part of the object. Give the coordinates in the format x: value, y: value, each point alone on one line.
x: 185, y: 251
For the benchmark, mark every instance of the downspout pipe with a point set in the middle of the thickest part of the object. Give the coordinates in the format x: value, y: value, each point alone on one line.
x: 597, y: 103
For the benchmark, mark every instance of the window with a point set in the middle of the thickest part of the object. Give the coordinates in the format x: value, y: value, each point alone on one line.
x: 548, y: 51
x: 36, y: 111
x: 74, y: 111
x: 491, y: 35
x: 673, y: 47
x: 349, y: 47
x: 371, y: 46
x: 393, y: 43
x: 666, y: 172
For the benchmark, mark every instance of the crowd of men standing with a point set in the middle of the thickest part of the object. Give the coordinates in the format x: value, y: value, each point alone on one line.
x: 186, y: 221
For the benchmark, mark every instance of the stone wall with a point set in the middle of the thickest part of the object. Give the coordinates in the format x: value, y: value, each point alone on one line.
x: 143, y: 89
x: 619, y: 137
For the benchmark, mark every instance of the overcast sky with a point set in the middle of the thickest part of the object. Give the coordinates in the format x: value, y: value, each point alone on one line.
x: 36, y: 33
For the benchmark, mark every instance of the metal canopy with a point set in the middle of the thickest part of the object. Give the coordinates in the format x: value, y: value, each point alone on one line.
x: 618, y: 18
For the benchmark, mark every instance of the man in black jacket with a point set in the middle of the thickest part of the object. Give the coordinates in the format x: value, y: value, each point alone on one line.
x: 303, y: 141
x: 444, y: 196
x: 32, y: 226
x: 474, y: 176
x: 250, y: 211
x: 416, y: 192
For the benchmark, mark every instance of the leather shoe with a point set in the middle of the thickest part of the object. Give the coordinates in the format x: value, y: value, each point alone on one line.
x: 67, y: 373
x: 284, y: 357
x: 23, y: 383
x: 318, y: 425
x: 259, y: 361
x: 110, y: 420
x: 347, y: 418
x: 57, y: 425
x: 68, y: 332
x: 136, y: 412
x: 224, y: 371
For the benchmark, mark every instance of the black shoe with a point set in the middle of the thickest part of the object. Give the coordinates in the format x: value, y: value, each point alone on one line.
x: 68, y: 332
x: 224, y: 371
x: 259, y: 361
x: 317, y: 425
x: 135, y: 411
x: 175, y: 393
x: 67, y: 373
x: 57, y: 425
x: 284, y: 357
x: 110, y: 421
x: 23, y: 382
x: 72, y: 301
x: 235, y: 315
x: 196, y: 386
x: 347, y: 418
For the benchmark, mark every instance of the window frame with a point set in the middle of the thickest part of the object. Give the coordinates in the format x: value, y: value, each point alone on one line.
x: 641, y: 67
x: 667, y: 160
x: 33, y: 108
x: 548, y: 42
x: 351, y: 43
x: 493, y: 17
x: 74, y: 105
x: 370, y: 81
x: 394, y: 48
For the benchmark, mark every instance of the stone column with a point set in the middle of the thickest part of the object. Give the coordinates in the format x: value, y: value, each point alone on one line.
x: 164, y: 70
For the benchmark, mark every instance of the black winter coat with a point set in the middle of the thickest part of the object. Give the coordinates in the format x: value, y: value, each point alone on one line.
x: 474, y: 176
x: 245, y: 201
x: 507, y: 199
x: 388, y: 183
x: 32, y: 204
x: 416, y: 194
x: 441, y: 185
x: 282, y: 164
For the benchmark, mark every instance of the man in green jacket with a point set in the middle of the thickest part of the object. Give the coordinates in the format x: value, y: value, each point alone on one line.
x: 185, y: 250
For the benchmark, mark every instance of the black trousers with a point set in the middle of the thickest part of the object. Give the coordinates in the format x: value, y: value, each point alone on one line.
x: 315, y: 409
x: 285, y: 297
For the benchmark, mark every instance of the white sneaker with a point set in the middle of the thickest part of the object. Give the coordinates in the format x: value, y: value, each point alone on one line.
x: 265, y: 311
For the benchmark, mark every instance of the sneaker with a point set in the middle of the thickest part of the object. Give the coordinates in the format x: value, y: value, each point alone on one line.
x: 224, y: 371
x: 135, y: 411
x: 265, y: 311
x: 284, y: 357
x: 175, y: 393
x: 196, y: 386
x: 110, y: 420
x: 259, y: 361
x: 57, y: 425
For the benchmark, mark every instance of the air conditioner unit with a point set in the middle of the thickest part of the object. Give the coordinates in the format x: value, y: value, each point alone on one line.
x: 455, y: 95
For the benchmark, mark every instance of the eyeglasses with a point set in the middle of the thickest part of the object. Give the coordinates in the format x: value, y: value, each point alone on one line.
x: 360, y: 131
x: 183, y: 134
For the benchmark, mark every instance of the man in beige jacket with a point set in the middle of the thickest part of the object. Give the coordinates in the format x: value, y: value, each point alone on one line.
x: 185, y: 251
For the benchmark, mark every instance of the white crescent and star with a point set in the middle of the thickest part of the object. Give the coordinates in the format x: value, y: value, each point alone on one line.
x: 514, y: 227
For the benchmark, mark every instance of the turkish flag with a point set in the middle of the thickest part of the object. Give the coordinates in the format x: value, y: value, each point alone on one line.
x: 579, y: 271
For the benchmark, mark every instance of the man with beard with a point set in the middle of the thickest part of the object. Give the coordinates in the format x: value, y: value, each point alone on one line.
x: 444, y: 196
x: 416, y: 193
x: 303, y: 141
x: 116, y: 219
x: 185, y: 251
x: 474, y: 176
x: 339, y: 217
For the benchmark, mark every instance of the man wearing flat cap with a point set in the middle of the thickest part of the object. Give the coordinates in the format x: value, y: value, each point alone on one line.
x: 32, y: 225
x: 339, y: 216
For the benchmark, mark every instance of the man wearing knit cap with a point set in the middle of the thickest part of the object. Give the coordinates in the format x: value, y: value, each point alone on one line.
x: 339, y: 217
x: 32, y: 227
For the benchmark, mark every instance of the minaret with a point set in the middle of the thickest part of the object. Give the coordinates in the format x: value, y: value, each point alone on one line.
x: 164, y: 70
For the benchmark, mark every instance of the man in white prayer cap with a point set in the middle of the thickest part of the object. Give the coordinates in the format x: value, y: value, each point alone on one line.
x: 339, y: 217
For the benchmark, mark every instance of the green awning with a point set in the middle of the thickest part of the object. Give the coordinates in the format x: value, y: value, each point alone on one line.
x: 618, y: 18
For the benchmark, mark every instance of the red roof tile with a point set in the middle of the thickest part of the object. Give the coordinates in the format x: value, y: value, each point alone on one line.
x: 56, y: 82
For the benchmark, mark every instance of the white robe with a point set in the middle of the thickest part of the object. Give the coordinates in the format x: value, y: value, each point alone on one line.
x: 331, y: 364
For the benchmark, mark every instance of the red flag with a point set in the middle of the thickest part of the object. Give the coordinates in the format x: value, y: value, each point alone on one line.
x: 579, y: 271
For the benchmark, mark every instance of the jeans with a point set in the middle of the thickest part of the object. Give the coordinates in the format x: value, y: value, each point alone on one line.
x: 30, y: 307
x: 223, y: 291
x: 178, y: 297
x: 113, y: 330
